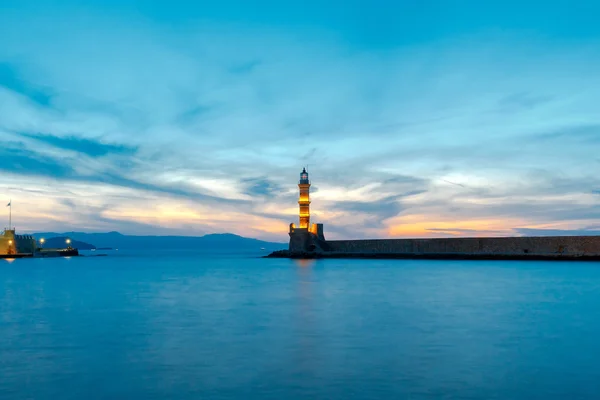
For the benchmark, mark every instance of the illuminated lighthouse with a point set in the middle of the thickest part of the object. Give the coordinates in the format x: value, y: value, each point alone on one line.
x: 306, y: 236
x: 304, y: 200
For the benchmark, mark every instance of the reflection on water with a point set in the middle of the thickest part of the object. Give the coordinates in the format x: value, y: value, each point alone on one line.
x: 304, y: 263
x: 305, y: 346
x: 194, y: 326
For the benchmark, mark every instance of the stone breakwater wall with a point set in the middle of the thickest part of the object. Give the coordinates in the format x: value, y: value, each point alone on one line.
x: 555, y: 246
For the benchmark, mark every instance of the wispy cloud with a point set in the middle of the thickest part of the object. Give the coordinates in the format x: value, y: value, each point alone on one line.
x: 16, y: 159
x: 577, y: 133
x: 10, y: 79
x: 261, y: 187
x: 557, y: 232
x: 83, y: 145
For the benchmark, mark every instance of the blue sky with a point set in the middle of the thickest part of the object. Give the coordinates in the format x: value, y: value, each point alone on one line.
x: 416, y: 118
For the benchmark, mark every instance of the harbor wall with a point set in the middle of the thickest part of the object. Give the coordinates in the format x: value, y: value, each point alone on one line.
x: 572, y: 246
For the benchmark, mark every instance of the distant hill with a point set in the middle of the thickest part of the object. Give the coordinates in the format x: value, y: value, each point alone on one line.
x: 60, y: 242
x: 221, y: 241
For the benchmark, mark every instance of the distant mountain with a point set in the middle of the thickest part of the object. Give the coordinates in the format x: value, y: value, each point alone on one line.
x: 222, y: 241
x: 60, y: 242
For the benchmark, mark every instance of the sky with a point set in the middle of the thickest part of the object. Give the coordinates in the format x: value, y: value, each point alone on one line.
x: 425, y: 118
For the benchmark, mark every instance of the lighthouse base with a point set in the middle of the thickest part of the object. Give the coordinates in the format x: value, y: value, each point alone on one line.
x: 304, y: 241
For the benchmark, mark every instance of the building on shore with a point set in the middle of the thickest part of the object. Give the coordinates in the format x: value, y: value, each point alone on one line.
x: 11, y: 243
x: 307, y: 240
x: 23, y: 246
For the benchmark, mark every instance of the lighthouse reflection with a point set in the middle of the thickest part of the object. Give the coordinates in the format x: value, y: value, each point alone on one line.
x: 303, y: 263
x: 306, y: 348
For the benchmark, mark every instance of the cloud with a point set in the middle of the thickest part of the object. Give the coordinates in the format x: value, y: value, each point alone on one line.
x: 86, y: 146
x: 174, y: 189
x: 261, y: 187
x: 404, y: 180
x: 16, y: 159
x: 453, y: 183
x: 309, y: 154
x: 19, y: 160
x: 461, y: 232
x: 193, y: 114
x: 10, y: 79
x: 380, y: 209
x: 528, y: 101
x: 557, y: 232
x: 579, y: 133
x: 245, y: 67
x: 376, y: 211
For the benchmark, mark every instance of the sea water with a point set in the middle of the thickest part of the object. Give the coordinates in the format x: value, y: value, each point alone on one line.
x: 191, y: 325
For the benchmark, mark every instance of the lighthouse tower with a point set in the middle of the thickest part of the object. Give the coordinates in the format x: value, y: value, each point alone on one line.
x: 304, y: 200
x: 305, y: 237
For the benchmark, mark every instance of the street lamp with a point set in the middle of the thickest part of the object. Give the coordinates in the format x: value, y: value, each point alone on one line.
x: 42, y: 240
x: 68, y: 243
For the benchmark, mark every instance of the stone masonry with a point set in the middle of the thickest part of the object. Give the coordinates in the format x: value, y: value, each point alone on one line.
x: 575, y: 246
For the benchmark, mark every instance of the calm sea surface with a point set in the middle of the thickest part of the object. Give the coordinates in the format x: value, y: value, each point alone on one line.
x: 199, y: 326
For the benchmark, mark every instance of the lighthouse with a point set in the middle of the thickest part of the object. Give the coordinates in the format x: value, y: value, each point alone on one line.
x: 304, y: 200
x: 305, y: 236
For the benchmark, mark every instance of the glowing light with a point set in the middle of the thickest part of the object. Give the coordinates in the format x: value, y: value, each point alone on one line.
x: 10, y: 242
x: 42, y: 240
x: 68, y: 241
